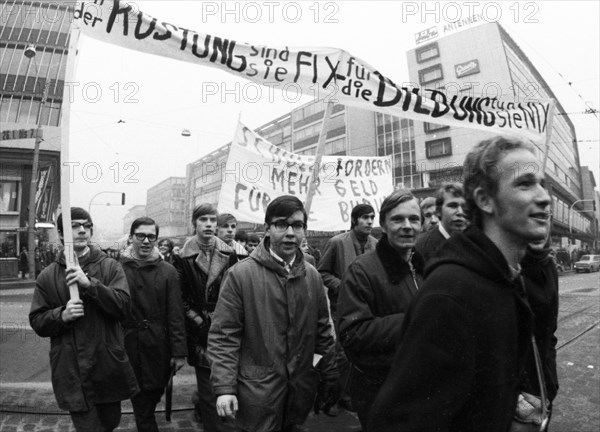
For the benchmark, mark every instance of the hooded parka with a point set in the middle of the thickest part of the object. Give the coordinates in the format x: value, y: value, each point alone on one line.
x: 266, y: 329
x: 463, y: 346
x: 155, y: 330
x: 87, y: 356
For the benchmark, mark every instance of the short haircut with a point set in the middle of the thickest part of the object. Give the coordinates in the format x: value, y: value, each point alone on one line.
x: 480, y: 170
x: 226, y: 218
x: 454, y: 189
x: 284, y: 206
x: 399, y: 196
x: 358, y: 211
x: 426, y: 203
x: 76, y: 213
x: 167, y: 242
x: 253, y: 238
x: 144, y: 220
x: 241, y: 236
x: 203, y: 209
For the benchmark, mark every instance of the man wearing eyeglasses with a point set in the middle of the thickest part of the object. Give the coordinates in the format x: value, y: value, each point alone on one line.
x: 154, y: 330
x: 91, y: 373
x: 270, y: 329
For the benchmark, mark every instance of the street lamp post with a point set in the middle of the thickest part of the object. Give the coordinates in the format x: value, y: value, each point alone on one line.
x: 30, y: 53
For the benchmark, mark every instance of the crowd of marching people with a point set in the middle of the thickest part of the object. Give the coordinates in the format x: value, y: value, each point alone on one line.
x: 445, y: 323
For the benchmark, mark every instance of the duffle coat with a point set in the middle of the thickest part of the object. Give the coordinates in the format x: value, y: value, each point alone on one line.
x: 87, y: 356
x: 155, y: 330
x: 267, y: 326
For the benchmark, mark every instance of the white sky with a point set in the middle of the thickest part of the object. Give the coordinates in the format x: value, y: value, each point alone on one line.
x: 158, y: 97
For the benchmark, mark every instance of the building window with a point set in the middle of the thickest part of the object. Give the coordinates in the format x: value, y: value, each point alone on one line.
x: 434, y: 127
x: 8, y: 244
x: 431, y: 74
x: 9, y: 194
x: 427, y: 52
x: 453, y: 174
x: 438, y: 148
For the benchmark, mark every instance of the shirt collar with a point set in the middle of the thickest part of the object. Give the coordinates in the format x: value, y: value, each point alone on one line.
x: 443, y: 231
x: 285, y: 265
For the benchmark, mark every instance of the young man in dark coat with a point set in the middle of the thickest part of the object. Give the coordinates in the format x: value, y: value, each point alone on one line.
x: 467, y: 334
x: 270, y: 329
x: 91, y: 373
x: 374, y: 296
x: 155, y: 330
x: 201, y: 266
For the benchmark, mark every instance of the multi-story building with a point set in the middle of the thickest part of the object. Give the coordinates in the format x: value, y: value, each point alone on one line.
x: 349, y: 131
x: 479, y: 60
x: 588, y: 205
x: 40, y: 30
x: 485, y: 60
x: 165, y: 203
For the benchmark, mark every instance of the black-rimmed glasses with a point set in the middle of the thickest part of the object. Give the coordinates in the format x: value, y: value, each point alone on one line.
x: 282, y: 226
x: 141, y: 237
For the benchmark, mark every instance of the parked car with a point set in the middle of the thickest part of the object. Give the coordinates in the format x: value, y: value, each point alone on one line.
x: 588, y: 263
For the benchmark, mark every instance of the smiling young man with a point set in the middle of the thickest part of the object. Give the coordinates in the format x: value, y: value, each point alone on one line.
x: 374, y: 296
x: 90, y: 370
x: 449, y: 207
x: 270, y: 327
x: 201, y: 266
x: 155, y: 329
x: 467, y: 334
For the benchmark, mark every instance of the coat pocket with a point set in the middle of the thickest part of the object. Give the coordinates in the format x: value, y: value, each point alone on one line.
x: 112, y: 376
x: 66, y: 381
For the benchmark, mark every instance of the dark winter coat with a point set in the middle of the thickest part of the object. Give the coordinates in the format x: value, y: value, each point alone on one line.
x: 375, y: 294
x: 87, y: 356
x: 155, y: 330
x: 541, y: 282
x: 200, y: 292
x: 266, y: 329
x: 464, y: 343
x: 337, y: 256
x: 429, y: 243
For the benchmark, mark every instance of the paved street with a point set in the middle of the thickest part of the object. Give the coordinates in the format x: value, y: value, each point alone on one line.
x: 27, y: 402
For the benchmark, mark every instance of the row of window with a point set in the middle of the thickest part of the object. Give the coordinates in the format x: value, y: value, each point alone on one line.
x: 560, y: 212
x: 47, y: 65
x: 16, y: 109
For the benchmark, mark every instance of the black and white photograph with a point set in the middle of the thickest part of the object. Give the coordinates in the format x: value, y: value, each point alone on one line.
x: 299, y: 216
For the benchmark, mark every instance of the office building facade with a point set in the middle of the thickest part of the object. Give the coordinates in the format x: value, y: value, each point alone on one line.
x: 165, y: 203
x: 485, y: 61
x: 40, y: 28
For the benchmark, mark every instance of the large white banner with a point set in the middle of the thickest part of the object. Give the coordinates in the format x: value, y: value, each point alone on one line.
x: 257, y: 172
x: 327, y: 73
